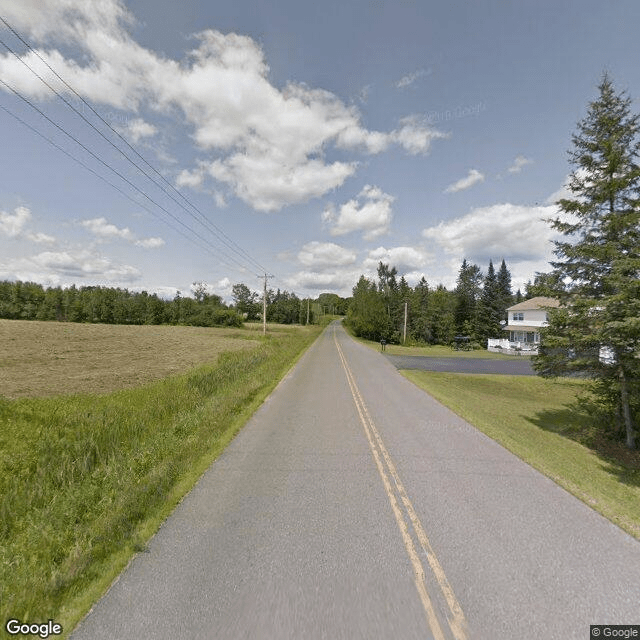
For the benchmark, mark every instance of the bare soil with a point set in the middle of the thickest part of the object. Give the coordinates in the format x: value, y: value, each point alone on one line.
x: 55, y: 358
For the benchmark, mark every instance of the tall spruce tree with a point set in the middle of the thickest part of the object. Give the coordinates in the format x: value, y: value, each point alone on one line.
x: 599, y: 259
x: 467, y: 293
x: 490, y: 307
x: 504, y: 288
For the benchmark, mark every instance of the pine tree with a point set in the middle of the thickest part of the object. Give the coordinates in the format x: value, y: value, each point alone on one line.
x: 600, y: 260
x: 490, y: 308
x: 419, y: 316
x: 467, y: 293
x: 504, y: 288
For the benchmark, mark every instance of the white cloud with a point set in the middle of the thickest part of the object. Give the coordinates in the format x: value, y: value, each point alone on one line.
x: 370, y: 212
x: 325, y: 254
x: 415, y: 136
x: 150, y: 243
x: 41, y: 238
x: 410, y: 78
x: 513, y: 232
x: 403, y: 258
x: 13, y: 224
x: 137, y: 129
x: 51, y: 267
x: 62, y: 20
x: 340, y: 281
x: 473, y: 177
x: 103, y: 229
x: 265, y: 143
x: 100, y: 228
x: 363, y: 94
x: 191, y: 179
x: 222, y: 288
x: 518, y: 163
x: 268, y: 183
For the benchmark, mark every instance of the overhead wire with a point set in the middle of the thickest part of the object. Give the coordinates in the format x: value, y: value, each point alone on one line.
x: 203, y: 220
x: 108, y: 166
x: 101, y: 177
x: 210, y: 226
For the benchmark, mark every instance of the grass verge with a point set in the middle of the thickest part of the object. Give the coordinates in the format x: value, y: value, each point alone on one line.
x: 537, y: 420
x: 433, y: 351
x: 85, y: 480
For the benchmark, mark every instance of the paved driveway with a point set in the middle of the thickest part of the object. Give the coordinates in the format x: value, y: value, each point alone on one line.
x: 517, y: 367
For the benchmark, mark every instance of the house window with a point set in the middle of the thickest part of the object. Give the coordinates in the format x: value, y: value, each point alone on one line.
x: 518, y: 316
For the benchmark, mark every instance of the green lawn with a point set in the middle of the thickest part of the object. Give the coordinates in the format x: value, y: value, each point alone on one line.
x: 536, y: 420
x: 85, y: 480
x: 435, y: 351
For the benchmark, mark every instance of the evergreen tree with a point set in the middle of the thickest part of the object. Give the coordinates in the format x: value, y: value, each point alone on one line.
x: 600, y: 260
x: 418, y: 317
x: 490, y: 308
x: 504, y: 288
x: 544, y: 284
x: 467, y: 293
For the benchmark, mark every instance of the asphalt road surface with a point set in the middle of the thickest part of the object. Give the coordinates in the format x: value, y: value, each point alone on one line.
x: 515, y: 366
x: 353, y: 505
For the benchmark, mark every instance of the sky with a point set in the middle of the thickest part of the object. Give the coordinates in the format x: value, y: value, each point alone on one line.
x: 307, y: 141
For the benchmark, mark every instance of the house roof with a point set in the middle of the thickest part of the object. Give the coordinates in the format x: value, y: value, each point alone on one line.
x: 540, y: 302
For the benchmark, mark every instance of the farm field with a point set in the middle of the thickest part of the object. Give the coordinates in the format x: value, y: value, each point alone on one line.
x: 58, y: 358
x: 103, y: 429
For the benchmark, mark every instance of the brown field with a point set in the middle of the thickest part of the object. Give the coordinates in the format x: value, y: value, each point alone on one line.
x: 54, y: 358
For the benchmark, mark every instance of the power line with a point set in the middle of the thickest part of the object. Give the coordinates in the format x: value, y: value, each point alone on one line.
x: 95, y: 173
x: 122, y: 177
x: 214, y: 229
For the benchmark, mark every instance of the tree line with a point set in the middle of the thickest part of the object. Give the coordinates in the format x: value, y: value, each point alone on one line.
x: 434, y: 315
x: 108, y: 305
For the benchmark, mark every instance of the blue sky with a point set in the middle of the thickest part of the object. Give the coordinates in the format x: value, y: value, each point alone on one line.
x: 320, y: 138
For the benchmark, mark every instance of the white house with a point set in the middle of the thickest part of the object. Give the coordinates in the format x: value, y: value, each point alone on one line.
x: 524, y: 321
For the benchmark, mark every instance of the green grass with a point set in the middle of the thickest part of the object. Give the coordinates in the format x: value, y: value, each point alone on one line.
x: 86, y: 480
x: 435, y: 351
x: 538, y: 421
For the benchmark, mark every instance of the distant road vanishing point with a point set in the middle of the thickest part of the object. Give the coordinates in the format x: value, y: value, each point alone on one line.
x: 353, y: 505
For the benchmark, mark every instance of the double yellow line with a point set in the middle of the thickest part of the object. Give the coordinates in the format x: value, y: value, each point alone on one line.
x: 397, y: 494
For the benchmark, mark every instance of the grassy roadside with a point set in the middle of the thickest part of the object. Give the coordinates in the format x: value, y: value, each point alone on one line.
x: 534, y: 418
x: 432, y: 351
x: 85, y: 480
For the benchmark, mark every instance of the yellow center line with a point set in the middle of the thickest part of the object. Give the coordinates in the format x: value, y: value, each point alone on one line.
x: 457, y: 621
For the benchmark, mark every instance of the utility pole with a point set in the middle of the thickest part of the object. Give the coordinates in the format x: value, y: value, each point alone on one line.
x: 308, y: 302
x: 264, y: 305
x: 404, y: 333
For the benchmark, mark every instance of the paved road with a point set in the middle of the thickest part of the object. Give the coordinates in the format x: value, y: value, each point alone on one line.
x: 516, y: 366
x: 353, y: 505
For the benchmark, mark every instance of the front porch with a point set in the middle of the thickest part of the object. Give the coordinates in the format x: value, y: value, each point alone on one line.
x: 522, y: 340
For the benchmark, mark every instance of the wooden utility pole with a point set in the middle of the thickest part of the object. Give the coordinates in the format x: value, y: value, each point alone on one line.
x: 404, y: 333
x: 308, y: 303
x: 264, y: 305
